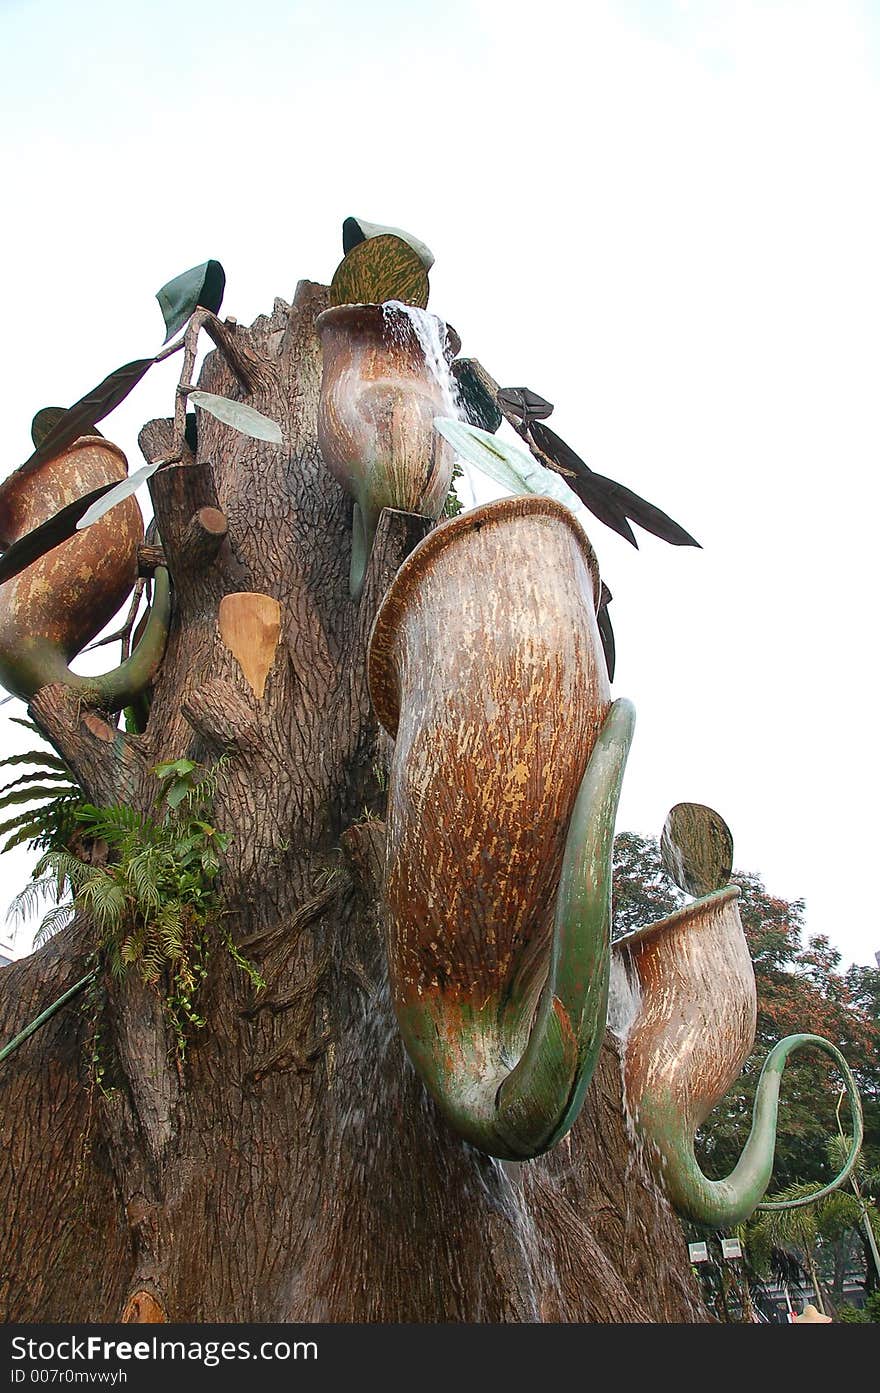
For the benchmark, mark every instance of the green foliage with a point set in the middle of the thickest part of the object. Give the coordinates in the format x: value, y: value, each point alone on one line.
x: 643, y: 892
x: 50, y: 786
x: 851, y: 1315
x: 452, y: 506
x: 155, y: 897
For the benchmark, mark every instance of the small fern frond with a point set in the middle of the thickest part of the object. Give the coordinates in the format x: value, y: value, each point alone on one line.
x: 39, y: 757
x: 57, y: 918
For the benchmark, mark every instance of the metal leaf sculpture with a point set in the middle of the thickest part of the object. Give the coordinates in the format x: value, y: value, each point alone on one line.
x: 606, y: 633
x: 524, y: 405
x: 612, y: 503
x: 379, y: 269
x: 357, y: 230
x: 79, y: 419
x: 202, y: 286
x: 239, y: 416
x: 46, y: 420
x: 696, y: 848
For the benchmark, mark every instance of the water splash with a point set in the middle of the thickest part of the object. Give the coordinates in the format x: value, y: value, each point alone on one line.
x: 624, y: 996
x: 430, y: 333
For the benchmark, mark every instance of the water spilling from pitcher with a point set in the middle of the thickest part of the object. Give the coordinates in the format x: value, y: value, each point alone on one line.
x: 430, y: 334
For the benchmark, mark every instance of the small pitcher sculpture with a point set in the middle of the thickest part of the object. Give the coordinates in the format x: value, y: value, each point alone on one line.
x: 485, y: 665
x: 694, y: 1030
x: 379, y: 397
x: 58, y: 604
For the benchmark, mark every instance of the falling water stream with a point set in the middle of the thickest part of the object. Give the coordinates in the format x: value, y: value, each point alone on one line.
x: 430, y: 334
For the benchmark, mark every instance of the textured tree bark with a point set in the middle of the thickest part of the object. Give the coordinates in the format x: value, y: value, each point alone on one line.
x: 294, y: 1169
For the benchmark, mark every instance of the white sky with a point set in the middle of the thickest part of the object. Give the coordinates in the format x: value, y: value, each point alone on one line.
x: 664, y: 217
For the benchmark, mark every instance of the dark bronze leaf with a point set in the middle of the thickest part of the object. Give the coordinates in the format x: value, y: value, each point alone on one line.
x: 524, y: 404
x: 597, y: 491
x: 48, y: 535
x: 646, y: 515
x: 606, y: 633
x: 80, y: 418
x: 202, y: 286
x: 379, y: 269
x: 46, y: 420
x: 553, y: 450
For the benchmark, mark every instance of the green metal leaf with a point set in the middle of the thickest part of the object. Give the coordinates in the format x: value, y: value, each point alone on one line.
x: 236, y: 414
x: 27, y: 795
x: 55, y: 776
x: 379, y: 269
x: 357, y: 230
x: 201, y: 286
x: 44, y: 757
x: 508, y: 466
x: 117, y: 494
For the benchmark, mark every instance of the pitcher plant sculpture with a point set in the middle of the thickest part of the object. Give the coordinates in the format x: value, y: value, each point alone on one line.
x: 693, y: 1032
x: 53, y: 608
x: 379, y: 397
x: 486, y: 666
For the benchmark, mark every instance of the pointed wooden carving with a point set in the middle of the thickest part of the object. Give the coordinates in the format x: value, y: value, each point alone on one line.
x: 142, y: 1308
x: 250, y: 626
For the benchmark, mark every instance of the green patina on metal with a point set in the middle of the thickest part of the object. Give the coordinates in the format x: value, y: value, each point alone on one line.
x: 38, y: 662
x: 512, y: 1086
x: 46, y: 1015
x: 725, y: 1203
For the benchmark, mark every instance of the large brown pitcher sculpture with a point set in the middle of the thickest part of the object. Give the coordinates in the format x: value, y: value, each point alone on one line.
x: 486, y: 666
x: 52, y: 609
x: 379, y: 397
x: 693, y: 1032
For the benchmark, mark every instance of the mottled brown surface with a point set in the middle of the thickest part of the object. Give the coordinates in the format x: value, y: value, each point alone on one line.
x: 377, y: 409
x: 696, y: 848
x: 70, y: 593
x: 697, y: 1015
x: 485, y: 665
x: 295, y: 1168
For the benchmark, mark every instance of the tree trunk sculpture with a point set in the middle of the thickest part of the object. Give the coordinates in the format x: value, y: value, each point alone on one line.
x: 293, y: 1167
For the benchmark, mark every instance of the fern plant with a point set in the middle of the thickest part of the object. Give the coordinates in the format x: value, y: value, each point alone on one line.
x: 48, y: 798
x: 154, y: 898
x: 50, y: 786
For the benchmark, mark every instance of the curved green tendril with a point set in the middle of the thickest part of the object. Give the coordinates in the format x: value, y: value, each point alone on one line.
x: 782, y: 1051
x: 725, y: 1203
x: 39, y: 663
x: 519, y: 1112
